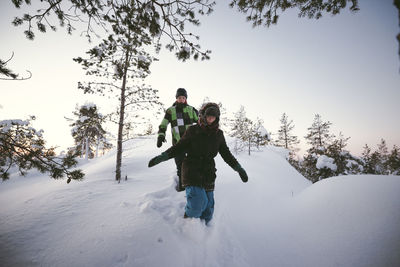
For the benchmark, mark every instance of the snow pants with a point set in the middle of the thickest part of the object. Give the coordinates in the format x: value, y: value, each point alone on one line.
x: 199, y: 203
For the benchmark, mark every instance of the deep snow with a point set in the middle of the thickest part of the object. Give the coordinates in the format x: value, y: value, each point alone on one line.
x: 276, y: 219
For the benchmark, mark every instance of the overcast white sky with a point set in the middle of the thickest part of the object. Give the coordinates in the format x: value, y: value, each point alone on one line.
x: 345, y: 68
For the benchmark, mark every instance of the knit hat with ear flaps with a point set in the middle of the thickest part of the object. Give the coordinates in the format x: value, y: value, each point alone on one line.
x: 212, y: 111
x: 181, y: 92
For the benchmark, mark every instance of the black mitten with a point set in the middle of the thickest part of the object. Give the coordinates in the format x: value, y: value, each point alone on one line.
x: 160, y: 140
x: 242, y: 173
x: 154, y: 161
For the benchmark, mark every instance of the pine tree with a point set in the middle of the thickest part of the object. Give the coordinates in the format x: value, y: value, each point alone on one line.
x: 267, y: 12
x: 309, y: 167
x: 376, y: 163
x: 149, y: 130
x: 22, y: 146
x: 319, y: 137
x: 224, y: 120
x: 368, y: 164
x: 153, y: 19
x: 242, y: 130
x: 120, y: 65
x: 393, y: 162
x: 261, y: 135
x: 167, y: 17
x: 8, y: 74
x: 383, y: 155
x: 346, y: 163
x: 249, y: 135
x: 285, y: 137
x: 239, y: 127
x: 88, y: 132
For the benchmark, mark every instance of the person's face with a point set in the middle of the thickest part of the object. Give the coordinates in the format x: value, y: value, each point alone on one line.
x: 181, y: 99
x: 210, y: 119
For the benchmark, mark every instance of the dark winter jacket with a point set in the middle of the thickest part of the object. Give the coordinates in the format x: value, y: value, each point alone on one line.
x: 201, y: 143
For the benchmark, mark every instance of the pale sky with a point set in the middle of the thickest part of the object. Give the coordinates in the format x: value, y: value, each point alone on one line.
x: 345, y: 68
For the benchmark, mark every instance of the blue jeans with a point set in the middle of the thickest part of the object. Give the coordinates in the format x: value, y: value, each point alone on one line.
x: 199, y: 203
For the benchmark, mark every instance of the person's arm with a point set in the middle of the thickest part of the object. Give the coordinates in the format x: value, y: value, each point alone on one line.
x: 231, y: 160
x: 176, y: 149
x: 182, y: 145
x: 195, y: 115
x: 226, y: 154
x: 163, y: 128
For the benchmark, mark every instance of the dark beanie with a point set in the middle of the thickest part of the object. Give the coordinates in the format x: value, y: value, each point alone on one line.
x: 181, y: 92
x: 212, y: 111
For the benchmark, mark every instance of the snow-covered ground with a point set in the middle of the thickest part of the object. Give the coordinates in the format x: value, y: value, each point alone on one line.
x: 276, y: 219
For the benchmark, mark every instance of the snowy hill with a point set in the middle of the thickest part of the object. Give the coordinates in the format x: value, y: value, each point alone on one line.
x: 276, y: 219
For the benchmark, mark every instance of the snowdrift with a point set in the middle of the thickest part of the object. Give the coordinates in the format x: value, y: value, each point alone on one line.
x: 276, y: 219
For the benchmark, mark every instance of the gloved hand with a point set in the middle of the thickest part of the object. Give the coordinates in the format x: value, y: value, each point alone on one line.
x: 242, y: 173
x: 160, y: 140
x: 158, y: 159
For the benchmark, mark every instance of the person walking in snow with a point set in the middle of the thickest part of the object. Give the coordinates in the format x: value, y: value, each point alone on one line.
x: 201, y: 143
x: 181, y: 116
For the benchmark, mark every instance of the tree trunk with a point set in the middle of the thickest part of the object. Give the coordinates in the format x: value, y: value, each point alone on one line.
x: 121, y: 120
x: 286, y: 140
x: 249, y: 145
x: 97, y: 146
x: 87, y: 148
x: 82, y: 148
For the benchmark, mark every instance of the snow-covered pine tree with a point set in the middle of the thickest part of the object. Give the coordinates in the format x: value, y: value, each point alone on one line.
x: 393, y: 162
x: 241, y: 130
x: 149, y: 130
x: 308, y: 167
x: 319, y: 138
x: 119, y: 65
x: 345, y: 162
x: 88, y: 132
x: 383, y: 157
x: 261, y: 135
x: 22, y: 146
x: 368, y: 163
x: 286, y: 138
x: 375, y: 162
x: 239, y: 126
x: 224, y: 120
x: 248, y: 134
x: 289, y: 141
